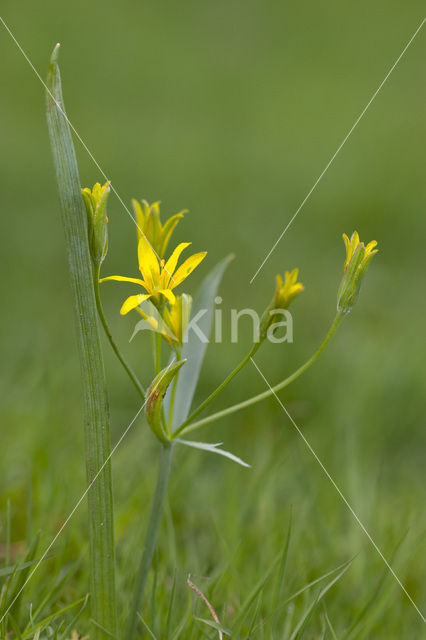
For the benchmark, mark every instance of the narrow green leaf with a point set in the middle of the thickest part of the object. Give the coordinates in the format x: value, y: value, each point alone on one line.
x: 214, y: 625
x: 213, y: 448
x: 102, y: 576
x: 52, y: 617
x: 194, y: 349
x: 8, y: 571
x: 244, y: 609
x: 151, y: 633
x: 21, y: 577
x: 301, y: 625
x: 72, y: 624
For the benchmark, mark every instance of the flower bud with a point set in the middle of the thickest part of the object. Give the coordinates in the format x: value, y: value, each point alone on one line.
x: 358, y: 258
x: 96, y: 201
x: 154, y: 399
x: 149, y: 225
x: 285, y: 292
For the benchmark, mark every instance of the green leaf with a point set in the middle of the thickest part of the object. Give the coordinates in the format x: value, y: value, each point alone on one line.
x: 96, y: 420
x: 213, y: 448
x: 194, y: 349
x: 214, y: 625
x: 301, y: 625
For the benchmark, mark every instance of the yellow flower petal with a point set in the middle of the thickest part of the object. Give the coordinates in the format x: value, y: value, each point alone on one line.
x: 369, y: 248
x: 124, y: 279
x: 140, y: 217
x: 132, y: 302
x: 186, y: 268
x: 148, y: 261
x: 167, y: 294
x: 170, y: 266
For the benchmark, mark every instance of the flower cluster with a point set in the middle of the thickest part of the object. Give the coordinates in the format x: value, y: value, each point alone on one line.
x: 169, y: 315
x: 160, y: 277
x: 358, y: 257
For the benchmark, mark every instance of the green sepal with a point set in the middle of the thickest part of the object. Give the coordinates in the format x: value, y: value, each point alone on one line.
x: 154, y: 399
x: 351, y: 281
x: 96, y: 209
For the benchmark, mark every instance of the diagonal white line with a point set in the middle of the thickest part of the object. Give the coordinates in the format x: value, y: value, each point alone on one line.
x: 335, y: 154
x: 340, y: 494
x: 79, y: 138
x: 80, y: 500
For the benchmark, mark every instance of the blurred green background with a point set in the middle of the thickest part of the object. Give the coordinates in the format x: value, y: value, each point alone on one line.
x: 232, y: 110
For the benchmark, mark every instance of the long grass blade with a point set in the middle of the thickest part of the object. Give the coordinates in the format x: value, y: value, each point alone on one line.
x: 102, y: 576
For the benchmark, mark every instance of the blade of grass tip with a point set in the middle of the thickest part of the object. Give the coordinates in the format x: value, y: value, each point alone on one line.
x: 328, y: 623
x: 52, y: 617
x: 76, y: 618
x: 214, y: 625
x: 170, y: 608
x: 98, y: 468
x: 21, y: 577
x: 289, y: 601
x: 8, y: 571
x: 107, y: 633
x: 303, y: 622
x: 54, y: 591
x: 240, y: 617
x: 255, y: 614
x: 373, y: 600
x: 185, y: 620
x: 316, y: 581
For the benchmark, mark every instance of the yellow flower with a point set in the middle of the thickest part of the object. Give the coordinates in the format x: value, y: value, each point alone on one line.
x: 158, y: 278
x: 149, y: 224
x: 358, y: 257
x: 352, y: 245
x: 173, y: 321
x: 96, y: 200
x: 285, y: 292
x: 287, y: 289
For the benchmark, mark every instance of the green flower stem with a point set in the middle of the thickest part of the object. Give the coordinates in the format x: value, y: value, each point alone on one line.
x: 150, y: 539
x: 217, y: 391
x: 186, y: 428
x: 172, y: 402
x: 157, y: 353
x: 133, y: 377
x: 96, y: 423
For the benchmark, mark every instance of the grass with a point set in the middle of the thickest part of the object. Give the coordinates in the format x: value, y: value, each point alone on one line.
x: 241, y: 161
x: 230, y: 525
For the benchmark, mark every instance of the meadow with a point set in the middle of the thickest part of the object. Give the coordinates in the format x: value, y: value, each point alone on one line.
x: 232, y: 111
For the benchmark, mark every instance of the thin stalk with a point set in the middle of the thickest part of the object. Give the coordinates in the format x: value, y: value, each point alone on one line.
x: 97, y: 440
x: 132, y: 375
x: 186, y: 427
x: 150, y: 539
x: 157, y: 353
x: 172, y: 402
x: 217, y: 391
